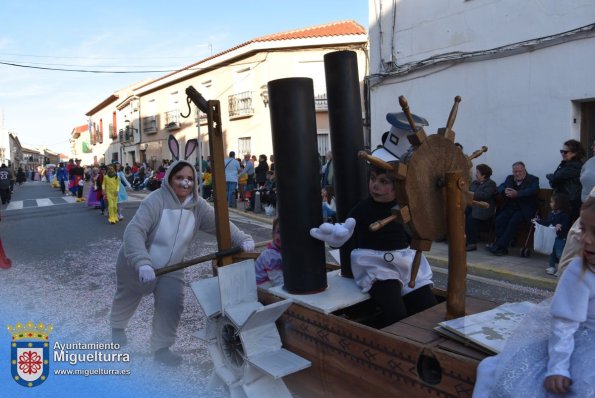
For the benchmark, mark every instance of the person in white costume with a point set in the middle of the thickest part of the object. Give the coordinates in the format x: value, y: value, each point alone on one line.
x: 159, y: 234
x: 552, y: 351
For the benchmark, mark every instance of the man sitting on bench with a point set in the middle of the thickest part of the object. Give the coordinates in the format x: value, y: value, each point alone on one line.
x: 519, y: 192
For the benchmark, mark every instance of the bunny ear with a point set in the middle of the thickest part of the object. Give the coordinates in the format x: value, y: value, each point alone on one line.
x: 174, y: 147
x: 191, y: 145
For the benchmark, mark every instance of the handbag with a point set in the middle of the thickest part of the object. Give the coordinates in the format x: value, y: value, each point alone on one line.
x: 543, y: 241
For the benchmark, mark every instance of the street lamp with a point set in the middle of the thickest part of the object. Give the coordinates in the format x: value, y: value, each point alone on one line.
x: 264, y: 94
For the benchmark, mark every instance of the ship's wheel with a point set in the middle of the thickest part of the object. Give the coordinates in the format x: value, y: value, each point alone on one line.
x: 421, y: 180
x: 421, y: 189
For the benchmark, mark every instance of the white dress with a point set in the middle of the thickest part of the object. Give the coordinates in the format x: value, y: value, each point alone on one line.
x: 557, y: 338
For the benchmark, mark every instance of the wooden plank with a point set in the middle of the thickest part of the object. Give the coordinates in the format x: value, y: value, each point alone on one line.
x: 460, y: 348
x: 420, y: 327
x: 219, y: 185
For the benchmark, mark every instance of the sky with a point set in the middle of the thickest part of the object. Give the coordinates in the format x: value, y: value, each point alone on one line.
x: 42, y: 106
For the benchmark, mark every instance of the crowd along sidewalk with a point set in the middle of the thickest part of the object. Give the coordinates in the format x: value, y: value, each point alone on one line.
x: 528, y: 271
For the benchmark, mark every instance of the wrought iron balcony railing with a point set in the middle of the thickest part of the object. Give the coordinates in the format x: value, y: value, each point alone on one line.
x: 149, y: 124
x: 172, y: 119
x: 240, y: 104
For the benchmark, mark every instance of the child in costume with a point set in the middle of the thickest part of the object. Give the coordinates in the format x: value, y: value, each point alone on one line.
x: 93, y: 196
x: 551, y: 352
x: 159, y: 234
x: 381, y: 261
x: 242, y: 182
x: 207, y: 183
x: 269, y: 264
x: 99, y: 184
x: 62, y: 176
x: 111, y: 186
x: 122, y: 194
x: 78, y: 174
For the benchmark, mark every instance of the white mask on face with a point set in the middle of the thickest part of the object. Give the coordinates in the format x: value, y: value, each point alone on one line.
x: 185, y: 183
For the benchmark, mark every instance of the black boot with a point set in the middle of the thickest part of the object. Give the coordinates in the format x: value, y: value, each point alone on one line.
x: 119, y: 336
x: 166, y: 357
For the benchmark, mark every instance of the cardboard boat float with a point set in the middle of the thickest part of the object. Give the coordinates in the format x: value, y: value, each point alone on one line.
x: 316, y: 336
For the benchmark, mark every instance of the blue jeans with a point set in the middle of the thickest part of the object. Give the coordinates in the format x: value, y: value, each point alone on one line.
x: 231, y: 191
x: 559, y: 244
x: 327, y: 212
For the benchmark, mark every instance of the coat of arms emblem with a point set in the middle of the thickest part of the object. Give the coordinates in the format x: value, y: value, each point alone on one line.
x: 29, y: 353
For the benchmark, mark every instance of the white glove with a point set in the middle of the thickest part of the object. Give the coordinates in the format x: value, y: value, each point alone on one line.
x: 247, y: 246
x: 146, y: 273
x: 335, y: 235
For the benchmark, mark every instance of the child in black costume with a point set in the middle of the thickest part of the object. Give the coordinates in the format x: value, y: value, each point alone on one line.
x: 381, y: 261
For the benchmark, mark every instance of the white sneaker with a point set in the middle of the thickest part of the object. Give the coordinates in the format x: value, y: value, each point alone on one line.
x: 550, y: 270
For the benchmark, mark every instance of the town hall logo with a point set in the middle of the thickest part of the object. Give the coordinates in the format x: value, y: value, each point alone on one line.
x: 29, y: 353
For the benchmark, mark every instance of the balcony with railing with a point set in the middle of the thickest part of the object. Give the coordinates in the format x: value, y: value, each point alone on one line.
x: 240, y: 105
x: 320, y: 102
x: 172, y: 119
x: 149, y: 124
x: 126, y: 134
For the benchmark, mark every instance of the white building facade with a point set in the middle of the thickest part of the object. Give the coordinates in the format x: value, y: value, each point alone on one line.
x: 522, y: 68
x: 134, y: 124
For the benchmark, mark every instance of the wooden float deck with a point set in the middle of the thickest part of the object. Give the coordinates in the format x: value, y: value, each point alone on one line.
x: 350, y: 359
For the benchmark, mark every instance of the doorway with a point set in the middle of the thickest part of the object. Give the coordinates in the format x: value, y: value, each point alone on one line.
x: 588, y: 125
x: 132, y: 157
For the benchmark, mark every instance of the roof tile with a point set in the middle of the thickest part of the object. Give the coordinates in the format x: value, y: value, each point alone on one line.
x: 340, y: 28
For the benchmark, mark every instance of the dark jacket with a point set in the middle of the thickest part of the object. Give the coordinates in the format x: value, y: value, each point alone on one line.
x: 5, y: 177
x: 484, y: 192
x: 260, y: 172
x: 392, y: 236
x: 21, y: 177
x: 566, y: 179
x: 526, y: 201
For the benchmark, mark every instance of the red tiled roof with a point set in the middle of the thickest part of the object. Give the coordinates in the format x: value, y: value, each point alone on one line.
x: 76, y: 132
x: 340, y: 28
x: 81, y: 129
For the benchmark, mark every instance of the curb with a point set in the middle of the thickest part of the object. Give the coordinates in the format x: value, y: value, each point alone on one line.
x: 252, y: 215
x: 486, y: 271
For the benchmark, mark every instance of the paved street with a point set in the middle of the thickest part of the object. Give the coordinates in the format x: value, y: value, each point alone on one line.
x: 63, y: 257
